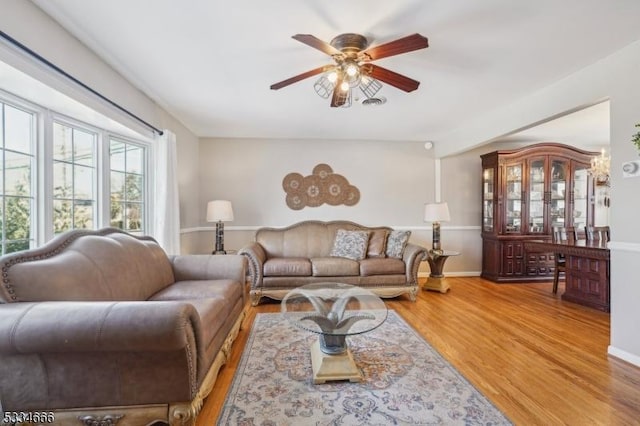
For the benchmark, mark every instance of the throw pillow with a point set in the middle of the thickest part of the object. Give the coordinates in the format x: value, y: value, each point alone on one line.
x: 350, y: 244
x: 377, y: 243
x: 396, y: 242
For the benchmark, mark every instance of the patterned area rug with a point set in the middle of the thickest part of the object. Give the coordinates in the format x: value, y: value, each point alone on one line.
x: 406, y: 382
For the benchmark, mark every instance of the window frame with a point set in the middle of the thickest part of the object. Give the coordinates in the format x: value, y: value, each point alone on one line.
x: 42, y: 168
x: 21, y: 104
x: 97, y: 185
x: 146, y: 174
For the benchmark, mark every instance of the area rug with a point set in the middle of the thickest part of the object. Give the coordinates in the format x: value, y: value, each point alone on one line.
x: 406, y: 382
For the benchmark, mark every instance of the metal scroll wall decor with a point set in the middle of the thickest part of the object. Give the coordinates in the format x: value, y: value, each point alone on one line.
x: 320, y: 187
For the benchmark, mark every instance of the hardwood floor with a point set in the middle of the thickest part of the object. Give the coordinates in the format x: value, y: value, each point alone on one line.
x: 541, y: 360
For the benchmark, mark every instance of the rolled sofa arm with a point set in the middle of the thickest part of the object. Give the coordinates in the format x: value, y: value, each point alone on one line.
x: 209, y: 267
x: 413, y: 255
x: 96, y: 326
x: 257, y: 256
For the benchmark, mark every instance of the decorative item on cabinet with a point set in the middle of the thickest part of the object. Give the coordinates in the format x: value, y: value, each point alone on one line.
x: 526, y: 192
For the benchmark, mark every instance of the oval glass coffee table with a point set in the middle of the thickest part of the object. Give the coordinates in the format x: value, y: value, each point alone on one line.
x: 333, y: 311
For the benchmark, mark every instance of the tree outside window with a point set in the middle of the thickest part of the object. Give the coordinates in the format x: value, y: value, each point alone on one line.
x: 16, y: 198
x: 127, y: 181
x: 74, y: 178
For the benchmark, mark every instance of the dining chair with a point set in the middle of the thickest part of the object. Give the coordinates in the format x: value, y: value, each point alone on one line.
x: 595, y: 233
x: 561, y: 233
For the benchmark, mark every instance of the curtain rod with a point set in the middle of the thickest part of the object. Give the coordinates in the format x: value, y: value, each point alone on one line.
x: 76, y: 81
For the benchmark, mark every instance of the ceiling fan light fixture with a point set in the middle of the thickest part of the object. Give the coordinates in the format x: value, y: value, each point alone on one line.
x: 348, y: 100
x: 351, y: 69
x: 344, y: 86
x: 324, y: 86
x: 332, y: 76
x: 351, y: 72
x: 369, y: 86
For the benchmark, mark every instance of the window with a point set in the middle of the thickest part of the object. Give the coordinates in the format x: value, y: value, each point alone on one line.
x: 70, y: 175
x: 127, y: 186
x: 17, y: 129
x: 74, y: 178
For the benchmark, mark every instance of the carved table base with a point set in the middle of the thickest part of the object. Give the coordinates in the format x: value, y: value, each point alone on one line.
x: 333, y: 367
x: 437, y: 280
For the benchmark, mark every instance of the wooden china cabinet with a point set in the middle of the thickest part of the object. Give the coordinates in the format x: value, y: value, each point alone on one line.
x: 525, y: 193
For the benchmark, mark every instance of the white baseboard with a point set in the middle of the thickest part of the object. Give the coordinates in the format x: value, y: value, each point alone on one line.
x: 624, y: 355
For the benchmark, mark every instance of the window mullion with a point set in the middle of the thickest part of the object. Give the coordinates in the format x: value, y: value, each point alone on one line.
x: 45, y: 177
x: 103, y: 195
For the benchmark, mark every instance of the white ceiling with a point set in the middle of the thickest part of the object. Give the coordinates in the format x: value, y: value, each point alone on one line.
x: 210, y: 62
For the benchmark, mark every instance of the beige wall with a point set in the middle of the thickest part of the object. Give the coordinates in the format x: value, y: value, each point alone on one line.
x: 395, y: 180
x: 624, y: 79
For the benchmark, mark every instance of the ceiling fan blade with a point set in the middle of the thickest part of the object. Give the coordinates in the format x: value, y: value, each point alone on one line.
x: 298, y: 77
x: 339, y: 96
x: 316, y: 43
x: 393, y: 78
x: 396, y: 47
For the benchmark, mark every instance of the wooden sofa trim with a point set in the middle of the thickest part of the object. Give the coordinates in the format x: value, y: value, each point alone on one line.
x: 383, y: 292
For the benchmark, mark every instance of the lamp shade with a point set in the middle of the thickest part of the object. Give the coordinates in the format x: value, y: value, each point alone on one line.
x: 219, y: 210
x: 436, y: 212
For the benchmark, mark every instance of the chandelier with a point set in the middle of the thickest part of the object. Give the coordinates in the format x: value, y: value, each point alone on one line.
x: 347, y: 76
x: 599, y: 170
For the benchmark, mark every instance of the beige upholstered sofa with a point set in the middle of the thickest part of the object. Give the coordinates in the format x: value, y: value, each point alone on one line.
x: 101, y: 327
x: 284, y: 258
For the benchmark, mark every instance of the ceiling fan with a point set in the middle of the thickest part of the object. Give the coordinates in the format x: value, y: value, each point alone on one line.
x: 352, y: 67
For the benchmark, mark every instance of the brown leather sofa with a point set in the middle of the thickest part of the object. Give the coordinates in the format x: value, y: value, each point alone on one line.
x: 284, y: 258
x: 102, y: 327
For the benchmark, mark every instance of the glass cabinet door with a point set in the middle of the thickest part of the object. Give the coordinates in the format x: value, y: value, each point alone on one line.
x: 558, y: 198
x: 487, y: 199
x: 536, y: 196
x: 513, y: 222
x: 580, y: 197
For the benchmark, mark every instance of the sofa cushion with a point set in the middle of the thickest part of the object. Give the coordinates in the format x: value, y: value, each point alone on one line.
x: 350, y: 244
x: 381, y: 266
x: 334, y: 267
x: 396, y: 242
x: 212, y: 299
x: 192, y: 289
x: 377, y: 243
x: 287, y: 266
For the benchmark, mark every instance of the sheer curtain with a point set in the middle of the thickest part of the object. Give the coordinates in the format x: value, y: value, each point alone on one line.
x: 166, y: 217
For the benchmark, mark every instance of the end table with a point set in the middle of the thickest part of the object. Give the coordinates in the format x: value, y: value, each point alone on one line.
x: 437, y: 280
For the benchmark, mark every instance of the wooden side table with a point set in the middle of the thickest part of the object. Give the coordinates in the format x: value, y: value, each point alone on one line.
x: 437, y: 280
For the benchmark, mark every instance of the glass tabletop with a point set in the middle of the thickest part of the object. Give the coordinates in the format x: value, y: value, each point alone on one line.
x: 334, y: 309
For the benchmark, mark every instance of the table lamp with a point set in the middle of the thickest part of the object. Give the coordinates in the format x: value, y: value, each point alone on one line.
x: 219, y: 211
x: 436, y: 213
